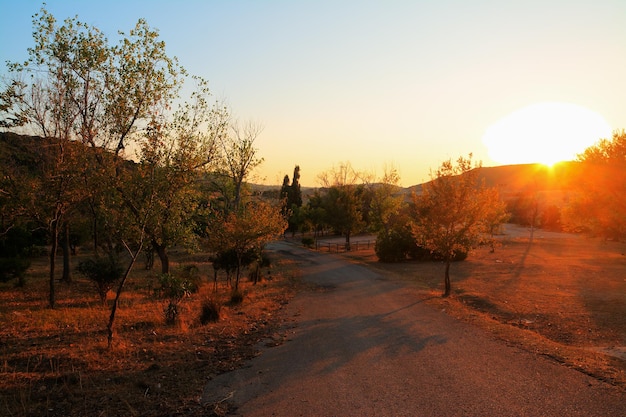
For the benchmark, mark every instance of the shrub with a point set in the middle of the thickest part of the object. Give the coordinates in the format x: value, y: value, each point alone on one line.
x: 394, y: 245
x: 210, y: 311
x: 175, y: 289
x: 308, y: 242
x: 191, y: 274
x: 14, y: 267
x: 171, y: 313
x: 14, y: 255
x: 398, y: 244
x: 420, y: 253
x: 236, y: 297
x: 103, y: 272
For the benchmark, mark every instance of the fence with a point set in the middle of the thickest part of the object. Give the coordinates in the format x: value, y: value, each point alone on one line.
x: 341, y: 247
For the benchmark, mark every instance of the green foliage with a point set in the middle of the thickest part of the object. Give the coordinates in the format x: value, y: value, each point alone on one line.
x: 398, y: 244
x: 174, y: 288
x: 244, y: 232
x: 104, y: 272
x: 454, y: 213
x: 394, y: 245
x: 291, y: 194
x: 191, y: 274
x: 342, y: 201
x: 385, y: 203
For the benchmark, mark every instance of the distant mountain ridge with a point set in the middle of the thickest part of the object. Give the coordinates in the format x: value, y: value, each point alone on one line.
x: 511, y: 180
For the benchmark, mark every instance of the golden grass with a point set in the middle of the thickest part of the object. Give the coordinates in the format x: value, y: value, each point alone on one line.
x: 56, y: 361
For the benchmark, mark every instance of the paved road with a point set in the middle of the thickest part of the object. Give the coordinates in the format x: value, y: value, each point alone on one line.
x: 363, y: 346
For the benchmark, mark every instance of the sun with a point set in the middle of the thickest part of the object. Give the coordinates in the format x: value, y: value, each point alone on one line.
x: 544, y: 133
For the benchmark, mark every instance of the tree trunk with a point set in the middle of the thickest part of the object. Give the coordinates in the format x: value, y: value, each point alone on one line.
x: 94, y: 225
x: 118, y: 293
x: 238, y: 272
x: 348, y: 242
x: 162, y: 253
x: 53, y: 255
x: 447, y: 279
x: 95, y: 236
x: 65, y: 247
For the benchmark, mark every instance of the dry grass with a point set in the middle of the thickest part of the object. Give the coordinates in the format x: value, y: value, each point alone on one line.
x: 55, y: 362
x: 564, y: 298
x: 561, y: 298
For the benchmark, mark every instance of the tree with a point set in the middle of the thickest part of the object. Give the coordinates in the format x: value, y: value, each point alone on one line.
x: 83, y: 90
x: 295, y: 195
x: 453, y: 213
x: 248, y: 229
x: 314, y: 214
x: 385, y: 201
x: 239, y: 157
x: 600, y: 204
x: 495, y: 213
x: 173, y: 154
x: 11, y: 113
x: 292, y: 195
x: 342, y: 200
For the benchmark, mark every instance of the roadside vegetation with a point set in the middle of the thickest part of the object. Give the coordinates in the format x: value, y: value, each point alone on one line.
x: 105, y: 169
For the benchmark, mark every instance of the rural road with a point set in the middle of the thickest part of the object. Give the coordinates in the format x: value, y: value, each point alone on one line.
x: 359, y: 345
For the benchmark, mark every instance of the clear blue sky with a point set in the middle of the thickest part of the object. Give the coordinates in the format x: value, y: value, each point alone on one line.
x: 410, y: 83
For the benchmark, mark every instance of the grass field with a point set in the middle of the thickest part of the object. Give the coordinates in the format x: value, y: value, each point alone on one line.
x: 56, y: 362
x: 561, y: 296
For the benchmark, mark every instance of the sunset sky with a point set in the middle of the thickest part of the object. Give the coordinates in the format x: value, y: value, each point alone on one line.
x: 408, y: 83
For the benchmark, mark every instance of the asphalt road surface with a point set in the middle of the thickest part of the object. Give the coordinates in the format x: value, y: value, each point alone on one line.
x: 359, y: 345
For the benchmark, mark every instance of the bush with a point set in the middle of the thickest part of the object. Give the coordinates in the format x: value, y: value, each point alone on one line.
x: 398, y: 244
x: 175, y: 289
x: 236, y: 297
x: 171, y: 313
x: 14, y: 268
x: 420, y: 253
x: 103, y: 272
x: 210, y: 312
x: 394, y: 245
x: 14, y: 254
x: 191, y: 274
x: 308, y: 242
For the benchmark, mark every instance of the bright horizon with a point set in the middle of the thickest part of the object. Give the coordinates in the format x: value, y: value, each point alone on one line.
x: 408, y: 84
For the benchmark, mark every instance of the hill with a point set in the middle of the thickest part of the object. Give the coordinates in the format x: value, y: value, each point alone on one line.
x: 513, y: 180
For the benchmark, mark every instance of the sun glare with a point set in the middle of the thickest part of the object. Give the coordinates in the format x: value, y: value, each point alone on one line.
x: 544, y: 133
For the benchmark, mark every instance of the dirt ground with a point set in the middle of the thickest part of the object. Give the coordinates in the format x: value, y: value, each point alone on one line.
x: 564, y: 298
x: 559, y: 295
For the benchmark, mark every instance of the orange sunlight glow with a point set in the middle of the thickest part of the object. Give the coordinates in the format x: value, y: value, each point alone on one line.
x: 544, y: 133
